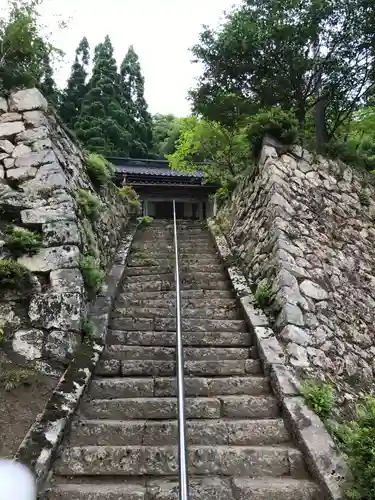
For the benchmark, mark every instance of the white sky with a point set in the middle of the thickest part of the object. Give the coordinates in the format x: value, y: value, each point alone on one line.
x: 162, y: 31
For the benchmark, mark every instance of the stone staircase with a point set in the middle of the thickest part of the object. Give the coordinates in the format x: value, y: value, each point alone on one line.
x: 123, y: 442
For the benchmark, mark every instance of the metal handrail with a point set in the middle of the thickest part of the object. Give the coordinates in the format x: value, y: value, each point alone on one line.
x: 182, y: 441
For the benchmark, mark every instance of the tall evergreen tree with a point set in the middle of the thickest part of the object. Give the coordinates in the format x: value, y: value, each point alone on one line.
x: 47, y: 84
x: 132, y: 89
x: 72, y: 98
x: 102, y: 124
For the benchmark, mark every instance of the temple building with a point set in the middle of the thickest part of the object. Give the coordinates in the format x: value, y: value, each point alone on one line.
x: 158, y: 185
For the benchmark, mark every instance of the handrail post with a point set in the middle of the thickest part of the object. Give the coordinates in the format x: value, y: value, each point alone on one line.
x: 182, y: 442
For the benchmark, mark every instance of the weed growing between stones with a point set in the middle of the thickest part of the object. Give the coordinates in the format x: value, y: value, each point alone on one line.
x: 93, y: 276
x: 89, y: 203
x: 364, y: 198
x: 98, y: 169
x: 128, y: 194
x: 88, y: 330
x: 263, y: 295
x: 19, y: 241
x: 356, y: 439
x: 320, y: 397
x: 14, y: 276
x: 12, y: 377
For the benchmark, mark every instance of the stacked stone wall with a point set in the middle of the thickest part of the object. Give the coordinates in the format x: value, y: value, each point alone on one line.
x: 42, y: 170
x: 305, y: 226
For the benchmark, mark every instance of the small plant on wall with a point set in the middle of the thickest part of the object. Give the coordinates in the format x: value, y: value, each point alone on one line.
x: 19, y: 241
x: 93, y: 276
x: 14, y: 276
x: 98, y: 169
x: 130, y: 197
x: 89, y: 203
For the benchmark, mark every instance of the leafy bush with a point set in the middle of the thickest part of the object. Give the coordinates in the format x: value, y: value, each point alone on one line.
x: 319, y: 396
x: 93, y: 276
x: 14, y: 276
x: 348, y: 153
x: 89, y: 203
x: 19, y: 241
x: 98, y: 169
x: 279, y: 124
x: 263, y: 295
x: 146, y: 220
x: 357, y: 440
x: 130, y: 197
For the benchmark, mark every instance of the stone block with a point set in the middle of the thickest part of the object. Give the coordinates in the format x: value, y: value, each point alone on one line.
x: 6, y: 146
x: 9, y: 129
x: 28, y: 343
x: 59, y: 310
x: 63, y: 232
x: 61, y: 345
x: 50, y: 259
x: 27, y: 100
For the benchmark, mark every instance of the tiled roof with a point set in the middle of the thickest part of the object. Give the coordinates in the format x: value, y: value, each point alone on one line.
x: 149, y: 167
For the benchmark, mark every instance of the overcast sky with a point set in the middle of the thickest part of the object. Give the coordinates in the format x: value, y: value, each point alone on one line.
x: 160, y: 30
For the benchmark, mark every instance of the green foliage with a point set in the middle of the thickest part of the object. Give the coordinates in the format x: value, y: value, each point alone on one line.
x: 263, y: 295
x: 364, y: 198
x: 14, y: 276
x: 357, y: 440
x: 130, y: 197
x: 89, y: 203
x: 19, y: 241
x: 133, y: 100
x: 166, y: 131
x: 12, y: 377
x: 73, y: 96
x: 93, y: 276
x: 320, y: 397
x: 275, y: 122
x: 103, y: 123
x: 224, y: 153
x: 147, y: 220
x: 25, y: 54
x: 98, y: 169
x: 300, y: 56
x: 88, y: 330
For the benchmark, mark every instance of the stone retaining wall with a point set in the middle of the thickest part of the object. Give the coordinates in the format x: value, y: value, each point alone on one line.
x: 305, y: 226
x: 41, y: 171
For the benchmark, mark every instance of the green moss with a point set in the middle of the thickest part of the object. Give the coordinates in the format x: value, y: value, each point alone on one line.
x: 88, y: 330
x: 19, y: 241
x: 320, y: 397
x: 146, y: 220
x: 98, y: 169
x: 89, y: 203
x: 364, y: 198
x: 2, y: 335
x: 14, y: 276
x: 92, y: 274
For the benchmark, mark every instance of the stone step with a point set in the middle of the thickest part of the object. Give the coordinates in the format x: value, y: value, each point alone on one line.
x: 124, y: 387
x: 189, y: 276
x: 126, y: 300
x: 152, y: 368
x: 169, y: 324
x: 126, y: 352
x: 154, y: 268
x: 251, y: 461
x: 206, y: 488
x: 168, y: 339
x: 185, y: 294
x: 170, y: 312
x: 166, y: 286
x: 186, y: 255
x: 165, y: 433
x: 140, y: 261
x: 240, y: 407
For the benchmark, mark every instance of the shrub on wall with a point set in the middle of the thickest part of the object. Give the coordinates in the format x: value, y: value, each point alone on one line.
x: 89, y: 203
x: 19, y: 241
x: 98, y: 169
x: 93, y: 276
x: 14, y: 276
x: 130, y: 197
x: 281, y: 125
